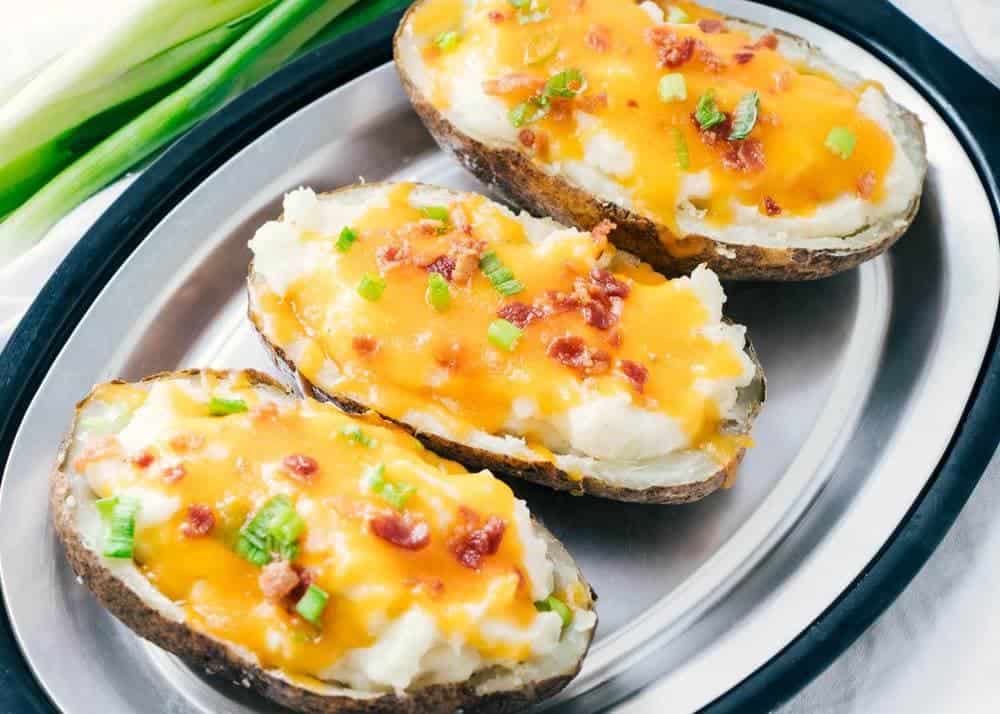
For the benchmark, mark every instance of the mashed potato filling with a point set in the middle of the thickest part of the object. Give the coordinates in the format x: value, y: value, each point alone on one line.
x: 611, y: 362
x: 406, y: 606
x: 627, y: 139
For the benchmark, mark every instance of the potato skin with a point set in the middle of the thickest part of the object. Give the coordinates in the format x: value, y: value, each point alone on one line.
x: 513, y: 173
x: 205, y: 653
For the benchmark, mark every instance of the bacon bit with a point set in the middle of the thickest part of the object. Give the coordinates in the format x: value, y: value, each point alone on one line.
x: 466, y: 257
x: 303, y: 467
x: 392, y: 256
x: 520, y: 314
x: 608, y: 284
x: 746, y: 156
x: 424, y: 228
x: 470, y: 542
x: 743, y: 57
x: 711, y: 60
x: 560, y: 108
x: 106, y: 447
x: 603, y: 229
x: 767, y: 42
x: 710, y: 26
x: 278, y: 579
x: 496, y: 16
x: 593, y: 103
x: 676, y: 53
x: 866, y: 185
x: 771, y: 208
x: 615, y: 338
x: 597, y: 314
x: 199, y: 521
x: 173, y: 474
x: 526, y: 137
x: 364, y: 345
x: 513, y: 82
x: 143, y: 459
x: 632, y: 104
x: 306, y: 578
x: 265, y: 411
x: 636, y: 373
x: 426, y: 584
x: 401, y: 530
x: 715, y: 134
x: 183, y: 443
x: 443, y: 265
x: 459, y: 220
x: 571, y: 351
x: 598, y: 38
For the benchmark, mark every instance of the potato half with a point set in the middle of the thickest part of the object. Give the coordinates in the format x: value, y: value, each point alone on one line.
x: 662, y: 415
x: 614, y: 150
x: 144, y: 592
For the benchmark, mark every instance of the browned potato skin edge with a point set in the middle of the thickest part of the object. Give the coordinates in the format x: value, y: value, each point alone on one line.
x: 516, y: 176
x: 207, y: 654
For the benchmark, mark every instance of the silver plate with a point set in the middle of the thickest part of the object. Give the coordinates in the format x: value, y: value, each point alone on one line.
x: 868, y: 373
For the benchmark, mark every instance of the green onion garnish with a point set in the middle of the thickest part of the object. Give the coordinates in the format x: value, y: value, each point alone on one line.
x: 312, y: 604
x: 531, y: 10
x: 397, y: 494
x: 681, y: 147
x: 438, y: 294
x: 677, y: 16
x: 528, y: 112
x: 118, y: 514
x: 489, y: 262
x: 566, y: 84
x: 707, y: 114
x: 540, y: 47
x: 672, y: 87
x: 346, y: 239
x: 501, y: 276
x: 510, y: 287
x: 371, y: 287
x: 355, y: 434
x: 554, y: 604
x: 436, y: 213
x: 841, y: 141
x: 447, y: 41
x: 221, y: 407
x: 275, y: 529
x: 745, y: 116
x: 504, y: 334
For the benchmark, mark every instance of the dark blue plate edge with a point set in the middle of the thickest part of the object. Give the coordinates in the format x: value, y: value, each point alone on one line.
x: 959, y: 94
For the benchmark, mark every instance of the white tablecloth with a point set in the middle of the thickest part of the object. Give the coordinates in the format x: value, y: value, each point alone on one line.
x: 934, y: 650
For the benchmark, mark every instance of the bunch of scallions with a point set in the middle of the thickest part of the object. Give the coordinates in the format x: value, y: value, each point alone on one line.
x: 110, y: 103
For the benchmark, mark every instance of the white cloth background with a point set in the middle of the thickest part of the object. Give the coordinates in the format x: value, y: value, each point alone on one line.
x: 934, y: 650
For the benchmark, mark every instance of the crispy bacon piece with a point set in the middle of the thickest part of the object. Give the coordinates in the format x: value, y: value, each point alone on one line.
x: 598, y: 38
x: 743, y: 56
x: 513, y: 82
x: 496, y: 16
x: 364, y: 345
x: 306, y: 578
x: 173, y: 474
x: 636, y: 373
x: 520, y: 314
x: 466, y: 256
x: 424, y: 228
x: 866, y: 185
x: 190, y: 441
x: 710, y: 26
x: 278, y: 579
x: 459, y: 220
x: 608, y: 284
x: 632, y: 104
x: 105, y: 447
x: 615, y: 338
x: 143, y: 459
x: 303, y: 467
x: 392, y: 256
x: 771, y: 208
x: 470, y: 542
x: 766, y: 42
x: 526, y: 137
x: 676, y: 53
x: 746, y: 156
x: 716, y: 134
x: 597, y: 314
x: 711, y: 60
x: 571, y: 351
x: 402, y: 530
x: 198, y: 522
x: 443, y: 265
x: 593, y: 103
x: 603, y: 229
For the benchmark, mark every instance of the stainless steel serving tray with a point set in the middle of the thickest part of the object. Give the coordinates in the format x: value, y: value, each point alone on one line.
x: 869, y: 372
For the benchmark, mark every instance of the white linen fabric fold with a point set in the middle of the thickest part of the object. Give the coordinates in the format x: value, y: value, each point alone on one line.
x: 934, y: 650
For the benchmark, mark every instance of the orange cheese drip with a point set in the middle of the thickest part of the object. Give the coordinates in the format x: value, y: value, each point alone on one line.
x: 798, y: 106
x: 232, y: 469
x: 441, y: 363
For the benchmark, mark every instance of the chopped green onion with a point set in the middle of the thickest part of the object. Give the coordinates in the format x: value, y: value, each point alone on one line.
x: 355, y: 434
x: 221, y: 407
x: 373, y: 477
x: 540, y: 47
x: 275, y: 529
x: 745, y: 116
x: 371, y: 287
x: 397, y: 494
x: 501, y: 276
x: 841, y: 141
x: 118, y: 514
x: 554, y: 604
x: 672, y: 87
x: 346, y: 239
x: 312, y: 604
x: 435, y: 213
x: 438, y: 294
x: 528, y: 111
x: 504, y: 335
x: 677, y: 16
x: 566, y: 84
x: 681, y: 147
x: 447, y: 41
x: 510, y: 287
x: 489, y: 262
x: 707, y: 113
x: 530, y: 11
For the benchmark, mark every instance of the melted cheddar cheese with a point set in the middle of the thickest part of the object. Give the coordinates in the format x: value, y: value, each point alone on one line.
x: 664, y: 370
x: 175, y: 456
x: 633, y: 147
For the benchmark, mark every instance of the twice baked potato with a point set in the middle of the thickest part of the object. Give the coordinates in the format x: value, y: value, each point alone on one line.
x: 327, y: 561
x: 705, y: 139
x: 507, y: 342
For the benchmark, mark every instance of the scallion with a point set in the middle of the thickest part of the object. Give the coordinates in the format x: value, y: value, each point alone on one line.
x: 312, y: 604
x: 447, y: 41
x: 528, y: 112
x: 554, y: 604
x: 707, y: 113
x: 438, y: 293
x: 499, y: 275
x: 274, y: 529
x: 358, y: 436
x: 841, y: 141
x: 118, y: 514
x: 371, y: 287
x: 672, y: 88
x: 218, y: 406
x: 745, y: 116
x: 346, y: 239
x: 681, y: 149
x: 504, y: 334
x: 435, y: 213
x: 396, y: 494
x: 566, y: 84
